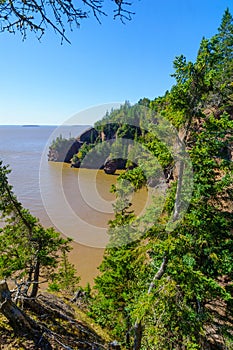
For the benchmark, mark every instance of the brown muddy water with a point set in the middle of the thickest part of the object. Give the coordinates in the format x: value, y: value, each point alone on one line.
x: 77, y: 202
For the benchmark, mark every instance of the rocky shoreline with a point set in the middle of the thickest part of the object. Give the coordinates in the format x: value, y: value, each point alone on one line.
x: 63, y: 150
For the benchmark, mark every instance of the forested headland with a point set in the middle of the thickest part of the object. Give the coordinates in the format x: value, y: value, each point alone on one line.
x: 166, y: 277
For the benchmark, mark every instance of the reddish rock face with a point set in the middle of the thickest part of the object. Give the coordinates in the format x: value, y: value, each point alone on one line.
x: 65, y: 154
x: 110, y: 166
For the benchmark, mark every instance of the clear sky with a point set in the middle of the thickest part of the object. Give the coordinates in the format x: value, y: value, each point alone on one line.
x: 47, y: 83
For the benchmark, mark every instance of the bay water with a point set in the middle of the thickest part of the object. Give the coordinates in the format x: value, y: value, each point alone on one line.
x: 76, y: 202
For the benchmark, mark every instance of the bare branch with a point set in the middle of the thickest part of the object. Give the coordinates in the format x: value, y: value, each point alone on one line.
x: 96, y: 7
x: 122, y: 13
x: 159, y: 274
x: 138, y: 327
x: 37, y: 15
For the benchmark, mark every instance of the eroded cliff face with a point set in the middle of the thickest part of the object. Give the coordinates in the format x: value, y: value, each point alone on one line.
x: 111, y: 165
x: 65, y: 152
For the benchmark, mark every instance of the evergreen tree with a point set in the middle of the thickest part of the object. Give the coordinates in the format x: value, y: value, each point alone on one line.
x: 65, y: 279
x: 28, y: 251
x: 172, y: 289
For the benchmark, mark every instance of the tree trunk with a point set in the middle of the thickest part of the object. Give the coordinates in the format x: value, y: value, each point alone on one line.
x: 159, y: 274
x: 19, y: 321
x: 137, y: 336
x: 36, y: 276
x: 138, y: 328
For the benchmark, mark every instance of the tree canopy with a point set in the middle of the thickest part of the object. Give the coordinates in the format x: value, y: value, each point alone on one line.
x: 171, y: 287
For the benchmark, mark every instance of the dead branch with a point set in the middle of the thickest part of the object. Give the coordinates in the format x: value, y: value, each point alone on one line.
x: 159, y: 274
x: 37, y: 15
x: 19, y: 321
x: 122, y: 13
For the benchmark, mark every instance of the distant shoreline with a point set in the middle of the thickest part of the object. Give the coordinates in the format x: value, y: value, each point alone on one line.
x: 30, y: 126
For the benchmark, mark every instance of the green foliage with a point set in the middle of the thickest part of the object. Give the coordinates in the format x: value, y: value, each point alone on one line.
x: 29, y: 253
x: 185, y: 306
x: 168, y: 279
x: 65, y: 279
x: 82, y: 153
x: 117, y: 290
x: 61, y: 143
x: 136, y: 177
x: 84, y: 150
x: 87, y: 290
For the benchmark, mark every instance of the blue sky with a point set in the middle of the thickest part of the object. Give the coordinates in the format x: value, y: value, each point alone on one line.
x: 47, y: 83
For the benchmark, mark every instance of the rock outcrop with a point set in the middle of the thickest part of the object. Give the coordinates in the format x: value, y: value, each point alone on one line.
x: 89, y: 136
x: 111, y: 165
x: 65, y: 152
